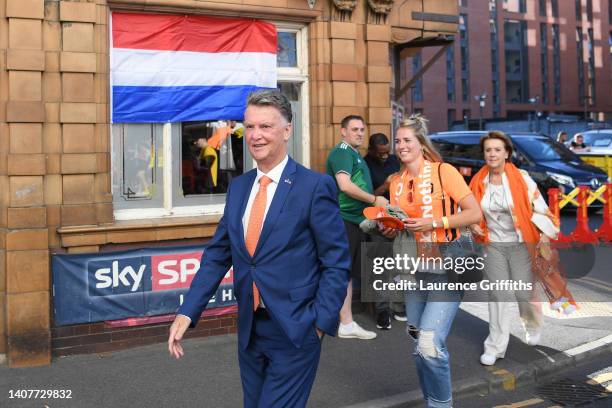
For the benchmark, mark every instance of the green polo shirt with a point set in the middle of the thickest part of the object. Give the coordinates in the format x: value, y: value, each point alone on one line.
x: 343, y: 158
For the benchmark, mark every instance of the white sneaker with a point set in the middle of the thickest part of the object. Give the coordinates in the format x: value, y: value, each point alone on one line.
x: 487, y: 359
x: 355, y: 331
x: 533, y: 339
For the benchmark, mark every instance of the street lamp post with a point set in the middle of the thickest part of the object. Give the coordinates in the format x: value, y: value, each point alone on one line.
x: 534, y: 102
x: 481, y: 104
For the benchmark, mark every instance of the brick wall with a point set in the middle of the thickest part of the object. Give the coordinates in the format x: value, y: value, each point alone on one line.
x: 98, y: 338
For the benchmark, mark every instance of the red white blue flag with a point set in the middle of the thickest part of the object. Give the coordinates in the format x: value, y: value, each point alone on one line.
x: 171, y: 68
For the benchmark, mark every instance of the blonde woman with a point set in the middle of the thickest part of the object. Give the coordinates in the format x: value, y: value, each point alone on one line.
x: 418, y: 190
x: 516, y: 219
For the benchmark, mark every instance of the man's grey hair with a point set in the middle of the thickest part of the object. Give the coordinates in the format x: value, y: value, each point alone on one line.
x: 271, y: 97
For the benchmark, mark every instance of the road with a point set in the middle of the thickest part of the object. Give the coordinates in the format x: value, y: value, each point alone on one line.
x: 588, y: 385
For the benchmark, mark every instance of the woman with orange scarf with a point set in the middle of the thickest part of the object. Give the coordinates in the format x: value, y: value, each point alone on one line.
x: 516, y: 222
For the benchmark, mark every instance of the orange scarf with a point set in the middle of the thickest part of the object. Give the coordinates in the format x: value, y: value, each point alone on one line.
x: 522, y: 208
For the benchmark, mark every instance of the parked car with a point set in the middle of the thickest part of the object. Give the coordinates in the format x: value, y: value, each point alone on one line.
x: 600, y: 141
x: 600, y: 149
x: 549, y: 163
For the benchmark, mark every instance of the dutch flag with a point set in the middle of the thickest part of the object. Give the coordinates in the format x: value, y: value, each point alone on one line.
x: 171, y: 68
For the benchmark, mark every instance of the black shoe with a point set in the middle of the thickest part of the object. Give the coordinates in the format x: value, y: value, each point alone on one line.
x: 383, y: 320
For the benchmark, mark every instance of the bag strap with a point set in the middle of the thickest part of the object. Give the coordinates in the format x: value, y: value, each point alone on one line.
x: 454, y: 232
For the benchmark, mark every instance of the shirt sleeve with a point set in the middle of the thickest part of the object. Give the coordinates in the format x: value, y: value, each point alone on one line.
x: 542, y: 218
x: 341, y: 161
x: 454, y: 183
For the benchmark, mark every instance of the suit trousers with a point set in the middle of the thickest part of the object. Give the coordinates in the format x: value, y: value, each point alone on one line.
x: 508, y: 261
x: 275, y: 373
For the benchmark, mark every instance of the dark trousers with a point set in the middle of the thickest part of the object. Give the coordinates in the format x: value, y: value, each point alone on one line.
x: 273, y: 371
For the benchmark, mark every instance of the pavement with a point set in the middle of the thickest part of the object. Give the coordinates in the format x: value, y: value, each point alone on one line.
x: 352, y: 373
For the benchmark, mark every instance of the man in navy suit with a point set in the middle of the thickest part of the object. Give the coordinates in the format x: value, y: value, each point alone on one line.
x: 290, y: 284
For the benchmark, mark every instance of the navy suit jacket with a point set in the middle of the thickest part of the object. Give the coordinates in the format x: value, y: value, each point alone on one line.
x: 301, y: 263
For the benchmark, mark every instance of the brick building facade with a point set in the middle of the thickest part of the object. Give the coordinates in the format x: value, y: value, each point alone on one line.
x: 56, y: 141
x: 527, y: 56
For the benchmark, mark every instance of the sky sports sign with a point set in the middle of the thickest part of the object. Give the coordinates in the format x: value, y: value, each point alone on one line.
x: 117, y: 285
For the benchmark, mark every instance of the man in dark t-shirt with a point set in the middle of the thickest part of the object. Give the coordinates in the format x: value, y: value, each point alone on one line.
x: 382, y: 164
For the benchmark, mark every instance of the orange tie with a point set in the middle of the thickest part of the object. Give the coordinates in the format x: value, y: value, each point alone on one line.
x: 256, y: 217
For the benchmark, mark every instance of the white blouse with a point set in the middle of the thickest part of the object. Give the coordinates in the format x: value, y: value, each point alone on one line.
x: 498, y: 214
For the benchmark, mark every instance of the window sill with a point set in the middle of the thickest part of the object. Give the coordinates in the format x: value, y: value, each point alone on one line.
x: 146, y: 230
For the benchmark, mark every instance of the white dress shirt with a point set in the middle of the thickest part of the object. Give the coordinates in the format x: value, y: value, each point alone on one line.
x: 275, y: 175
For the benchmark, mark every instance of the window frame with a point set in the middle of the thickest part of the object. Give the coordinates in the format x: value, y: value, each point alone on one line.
x: 169, y: 181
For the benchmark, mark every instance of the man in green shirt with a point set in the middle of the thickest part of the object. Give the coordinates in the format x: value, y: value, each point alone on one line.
x: 352, y: 176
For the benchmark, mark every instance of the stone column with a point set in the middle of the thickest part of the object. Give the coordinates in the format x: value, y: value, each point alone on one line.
x: 26, y: 243
x: 378, y: 38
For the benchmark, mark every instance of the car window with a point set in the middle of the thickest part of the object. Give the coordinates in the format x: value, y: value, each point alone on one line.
x: 461, y: 148
x: 603, y: 139
x: 544, y: 149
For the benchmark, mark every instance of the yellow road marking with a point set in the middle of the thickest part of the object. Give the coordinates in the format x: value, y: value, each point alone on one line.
x: 521, y: 404
x: 603, y: 378
x: 508, y: 379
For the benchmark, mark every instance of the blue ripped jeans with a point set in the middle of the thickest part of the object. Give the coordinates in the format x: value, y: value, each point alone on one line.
x: 430, y: 317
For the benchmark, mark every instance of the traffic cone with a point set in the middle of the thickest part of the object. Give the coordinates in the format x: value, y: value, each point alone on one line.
x: 582, y: 233
x: 604, y: 232
x: 553, y: 205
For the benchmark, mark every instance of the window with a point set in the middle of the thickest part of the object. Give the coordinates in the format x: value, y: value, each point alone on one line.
x: 544, y: 61
x: 450, y: 73
x: 494, y: 58
x: 542, y: 7
x: 554, y: 5
x: 517, y: 67
x: 184, y: 168
x: 591, y: 65
x: 578, y: 7
x: 556, y: 63
x: 465, y: 58
x: 580, y: 65
x: 463, y: 3
x: 465, y: 147
x: 589, y: 7
x: 417, y: 91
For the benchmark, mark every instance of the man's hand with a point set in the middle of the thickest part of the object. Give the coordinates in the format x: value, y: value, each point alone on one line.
x: 177, y: 330
x: 390, y: 233
x: 380, y: 201
x: 319, y: 333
